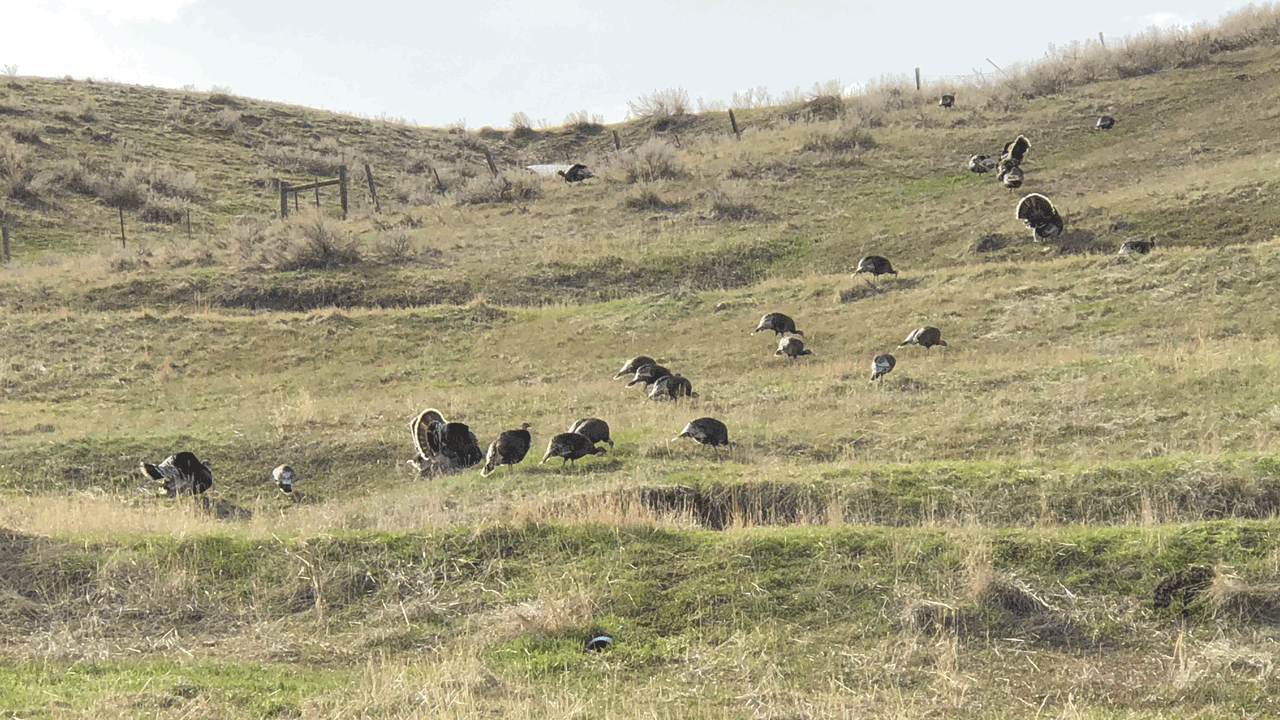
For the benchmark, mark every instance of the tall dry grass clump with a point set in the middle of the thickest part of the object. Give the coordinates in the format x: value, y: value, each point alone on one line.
x: 655, y: 159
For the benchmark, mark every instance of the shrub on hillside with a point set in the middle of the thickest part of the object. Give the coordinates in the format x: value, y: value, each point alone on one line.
x: 660, y: 103
x: 317, y: 243
x: 654, y: 160
x: 507, y: 187
x: 164, y: 210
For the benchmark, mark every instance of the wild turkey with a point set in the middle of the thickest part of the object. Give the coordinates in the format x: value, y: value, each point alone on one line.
x: 451, y: 441
x: 509, y: 449
x: 594, y: 429
x: 629, y: 367
x: 1009, y: 174
x: 876, y: 266
x: 981, y: 163
x: 780, y: 324
x: 1106, y: 122
x: 570, y: 446
x: 1137, y: 245
x: 926, y: 337
x: 947, y: 101
x: 576, y: 173
x: 708, y: 431
x: 672, y: 387
x: 1040, y: 215
x: 792, y: 347
x: 284, y: 477
x: 1016, y: 150
x: 882, y: 365
x: 181, y: 474
x: 649, y: 374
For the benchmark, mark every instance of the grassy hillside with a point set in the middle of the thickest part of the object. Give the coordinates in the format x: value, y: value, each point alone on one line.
x: 982, y: 533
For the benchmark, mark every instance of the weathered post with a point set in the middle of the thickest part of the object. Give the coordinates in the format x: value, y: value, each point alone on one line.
x: 917, y: 78
x: 316, y: 186
x: 342, y: 188
x: 121, y: 209
x: 4, y: 231
x: 617, y: 143
x: 488, y: 157
x: 373, y: 190
x: 439, y: 184
x: 284, y: 199
x: 734, y: 122
x: 188, y: 224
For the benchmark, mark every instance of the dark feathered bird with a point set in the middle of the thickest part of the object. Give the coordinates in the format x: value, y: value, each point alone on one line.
x: 434, y: 438
x: 570, y: 446
x: 649, y: 374
x: 1040, y: 216
x: 792, y: 347
x: 1137, y: 245
x: 876, y: 266
x: 1016, y: 150
x: 425, y: 430
x: 594, y: 429
x: 284, y: 477
x: 459, y: 444
x: 1009, y: 174
x: 882, y: 365
x: 708, y: 431
x: 576, y: 173
x: 672, y: 387
x: 509, y: 449
x: 1106, y: 122
x: 780, y: 324
x: 981, y: 163
x: 629, y: 367
x: 181, y: 474
x: 925, y: 337
x: 947, y: 101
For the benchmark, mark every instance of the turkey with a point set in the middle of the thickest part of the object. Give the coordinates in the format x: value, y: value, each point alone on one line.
x: 708, y: 431
x: 1016, y: 150
x: 882, y: 365
x: 876, y: 266
x: 1106, y: 122
x: 509, y: 449
x: 672, y: 387
x: 1137, y: 245
x: 926, y: 337
x: 981, y: 163
x: 576, y: 173
x: 594, y: 429
x: 780, y: 324
x: 570, y: 446
x: 631, y: 366
x: 181, y: 474
x: 947, y: 101
x: 1010, y: 175
x: 1040, y: 216
x: 438, y: 441
x: 792, y: 347
x: 649, y: 374
x: 284, y: 477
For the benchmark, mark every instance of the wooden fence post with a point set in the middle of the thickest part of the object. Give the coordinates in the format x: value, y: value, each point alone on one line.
x: 439, y: 184
x: 917, y: 78
x: 1102, y: 39
x: 734, y: 122
x: 284, y: 199
x: 342, y: 188
x: 617, y: 144
x: 317, y: 188
x: 4, y: 231
x: 488, y: 157
x: 121, y: 209
x: 188, y: 224
x: 373, y: 190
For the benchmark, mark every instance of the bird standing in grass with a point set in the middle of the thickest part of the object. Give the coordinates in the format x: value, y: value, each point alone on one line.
x: 180, y: 474
x: 876, y: 266
x: 593, y: 429
x: 629, y: 367
x: 649, y: 374
x: 947, y: 101
x: 1010, y: 175
x: 672, y: 387
x: 792, y: 347
x: 981, y: 163
x: 926, y: 337
x: 1040, y: 216
x: 576, y: 173
x: 777, y: 322
x: 1106, y: 122
x: 509, y: 449
x: 1016, y: 150
x: 707, y: 430
x: 570, y: 446
x: 284, y: 477
x: 1137, y: 245
x: 882, y: 365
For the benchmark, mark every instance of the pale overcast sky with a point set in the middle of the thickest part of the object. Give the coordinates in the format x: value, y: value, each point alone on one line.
x: 479, y: 61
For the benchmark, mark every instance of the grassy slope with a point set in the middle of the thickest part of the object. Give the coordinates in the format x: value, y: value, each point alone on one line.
x: 981, y: 533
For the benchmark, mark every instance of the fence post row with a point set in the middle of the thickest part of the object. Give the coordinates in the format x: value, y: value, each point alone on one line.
x: 286, y: 188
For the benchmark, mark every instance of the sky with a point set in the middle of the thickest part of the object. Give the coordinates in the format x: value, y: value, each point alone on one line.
x: 476, y: 62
